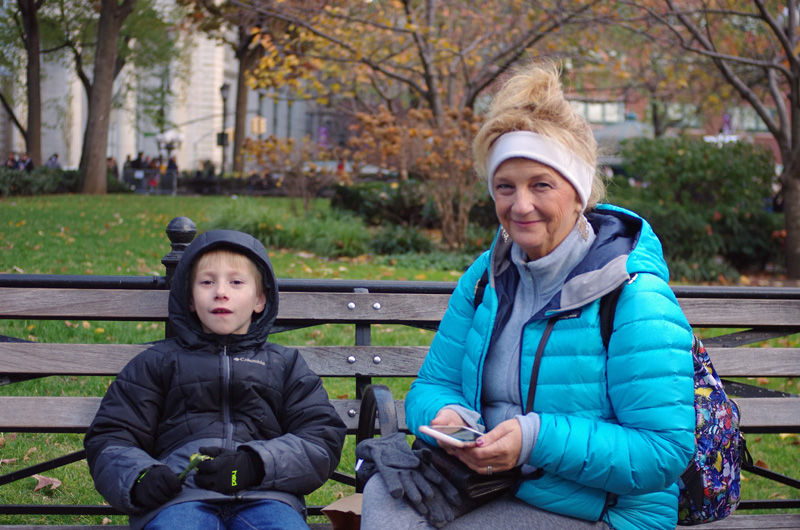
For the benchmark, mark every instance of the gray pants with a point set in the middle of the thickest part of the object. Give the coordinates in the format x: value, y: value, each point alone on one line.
x: 380, y: 511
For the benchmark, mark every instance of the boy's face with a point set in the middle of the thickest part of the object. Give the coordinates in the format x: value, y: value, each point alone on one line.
x: 225, y: 295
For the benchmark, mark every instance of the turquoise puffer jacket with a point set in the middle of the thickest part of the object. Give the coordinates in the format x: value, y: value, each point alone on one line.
x: 619, y: 422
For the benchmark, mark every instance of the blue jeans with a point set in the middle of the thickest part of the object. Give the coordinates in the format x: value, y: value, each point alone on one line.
x: 253, y: 515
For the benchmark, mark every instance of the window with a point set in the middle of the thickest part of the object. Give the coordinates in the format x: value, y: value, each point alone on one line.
x: 600, y: 111
x: 747, y: 119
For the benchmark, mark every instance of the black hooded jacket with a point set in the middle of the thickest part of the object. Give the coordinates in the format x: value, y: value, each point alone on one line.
x: 201, y: 389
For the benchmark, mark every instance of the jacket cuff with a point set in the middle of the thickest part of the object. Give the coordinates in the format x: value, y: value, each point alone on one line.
x: 470, y: 416
x: 530, y: 424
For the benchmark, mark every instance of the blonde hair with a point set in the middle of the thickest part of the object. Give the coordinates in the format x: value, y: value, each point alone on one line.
x: 235, y: 259
x: 533, y: 100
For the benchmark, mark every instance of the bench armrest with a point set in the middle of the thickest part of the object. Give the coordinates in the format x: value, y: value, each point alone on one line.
x: 377, y: 404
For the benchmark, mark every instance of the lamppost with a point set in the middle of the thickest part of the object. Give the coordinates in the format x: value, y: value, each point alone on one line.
x: 262, y: 92
x: 222, y: 140
x: 275, y: 113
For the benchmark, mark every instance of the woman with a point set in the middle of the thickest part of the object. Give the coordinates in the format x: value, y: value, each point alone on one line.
x: 609, y: 431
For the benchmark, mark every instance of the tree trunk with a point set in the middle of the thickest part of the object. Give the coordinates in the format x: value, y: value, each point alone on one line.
x: 240, y: 120
x: 95, y: 137
x: 791, y: 209
x: 33, y: 135
x: 248, y: 55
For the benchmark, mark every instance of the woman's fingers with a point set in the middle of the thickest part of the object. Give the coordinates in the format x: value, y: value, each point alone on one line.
x: 499, y: 448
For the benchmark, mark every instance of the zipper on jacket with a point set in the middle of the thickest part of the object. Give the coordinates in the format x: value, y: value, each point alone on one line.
x: 226, y: 399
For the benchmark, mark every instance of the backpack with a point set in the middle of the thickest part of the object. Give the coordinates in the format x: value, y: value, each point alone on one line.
x: 709, y: 487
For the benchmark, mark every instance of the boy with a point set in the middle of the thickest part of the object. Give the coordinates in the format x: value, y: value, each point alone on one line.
x: 220, y: 389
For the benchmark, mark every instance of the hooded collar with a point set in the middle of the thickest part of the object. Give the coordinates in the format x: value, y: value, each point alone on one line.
x: 624, y: 245
x: 186, y: 324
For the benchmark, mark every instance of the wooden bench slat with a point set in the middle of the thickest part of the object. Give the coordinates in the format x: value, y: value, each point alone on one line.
x: 332, y: 361
x: 370, y: 307
x: 756, y: 362
x: 735, y: 522
x: 756, y: 522
x: 33, y: 358
x: 74, y: 414
x: 112, y: 304
x: 97, y: 304
x: 120, y: 304
x: 708, y: 312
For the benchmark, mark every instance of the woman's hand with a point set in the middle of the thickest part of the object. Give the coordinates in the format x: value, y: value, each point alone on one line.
x: 498, y: 448
x: 448, y: 417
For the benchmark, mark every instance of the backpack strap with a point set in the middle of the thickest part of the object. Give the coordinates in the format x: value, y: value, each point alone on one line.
x: 480, y: 287
x: 608, y: 306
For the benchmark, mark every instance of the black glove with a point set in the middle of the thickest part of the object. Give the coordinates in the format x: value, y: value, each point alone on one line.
x: 229, y: 471
x: 155, y: 486
x: 408, y: 473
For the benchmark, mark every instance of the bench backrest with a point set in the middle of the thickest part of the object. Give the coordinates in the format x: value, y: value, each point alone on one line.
x: 755, y: 315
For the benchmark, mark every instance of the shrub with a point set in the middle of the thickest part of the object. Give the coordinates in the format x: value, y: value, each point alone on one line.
x: 46, y: 181
x: 325, y: 233
x: 708, y: 204
x: 693, y: 172
x: 40, y: 181
x: 437, y: 260
x: 393, y: 239
x: 378, y: 203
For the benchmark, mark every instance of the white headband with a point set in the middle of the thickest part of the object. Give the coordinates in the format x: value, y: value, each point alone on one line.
x: 527, y: 144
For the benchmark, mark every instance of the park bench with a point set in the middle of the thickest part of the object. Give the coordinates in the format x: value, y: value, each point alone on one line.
x: 757, y: 314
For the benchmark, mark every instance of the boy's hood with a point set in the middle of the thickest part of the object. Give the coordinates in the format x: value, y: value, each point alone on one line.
x: 186, y: 324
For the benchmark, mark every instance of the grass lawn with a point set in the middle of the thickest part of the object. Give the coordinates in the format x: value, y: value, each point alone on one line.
x: 124, y: 235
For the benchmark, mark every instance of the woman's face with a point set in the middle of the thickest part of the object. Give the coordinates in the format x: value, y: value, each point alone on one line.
x: 535, y: 204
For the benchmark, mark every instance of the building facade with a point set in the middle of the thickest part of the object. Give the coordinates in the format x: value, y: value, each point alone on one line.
x: 195, y: 112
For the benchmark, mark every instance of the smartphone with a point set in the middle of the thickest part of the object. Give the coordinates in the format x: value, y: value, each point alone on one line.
x: 455, y: 435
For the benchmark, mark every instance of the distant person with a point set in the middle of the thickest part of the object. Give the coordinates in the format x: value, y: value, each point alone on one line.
x: 217, y: 388
x: 52, y: 162
x: 112, y: 168
x: 139, y: 162
x: 12, y: 162
x: 25, y: 163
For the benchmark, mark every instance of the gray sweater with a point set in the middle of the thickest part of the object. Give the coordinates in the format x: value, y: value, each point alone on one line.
x: 540, y: 280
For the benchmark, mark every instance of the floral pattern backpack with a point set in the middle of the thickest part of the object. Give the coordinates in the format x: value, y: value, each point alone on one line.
x: 709, y: 487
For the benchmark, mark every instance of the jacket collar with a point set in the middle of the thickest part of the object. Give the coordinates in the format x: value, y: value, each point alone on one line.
x: 604, y: 268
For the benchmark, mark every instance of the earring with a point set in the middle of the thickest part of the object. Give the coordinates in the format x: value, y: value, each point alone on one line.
x: 583, y: 228
x: 504, y: 234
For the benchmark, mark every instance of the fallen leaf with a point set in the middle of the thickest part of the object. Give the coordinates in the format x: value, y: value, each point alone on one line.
x: 761, y: 463
x: 7, y: 461
x: 46, y: 481
x: 763, y: 380
x: 106, y: 521
x: 27, y: 455
x: 785, y: 435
